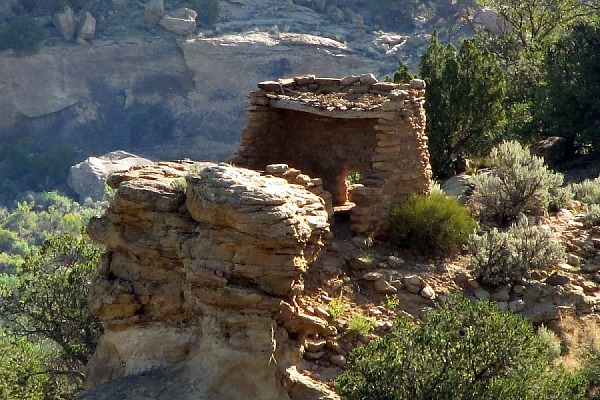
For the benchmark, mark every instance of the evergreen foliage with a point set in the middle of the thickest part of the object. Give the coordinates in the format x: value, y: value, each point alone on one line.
x: 568, y: 105
x: 35, y: 217
x: 23, y: 369
x: 460, y: 350
x: 402, y: 74
x: 432, y: 224
x: 499, y: 258
x: 527, y: 24
x: 465, y: 90
x: 519, y: 184
x: 47, y: 334
x: 591, y: 372
x: 23, y: 34
x: 524, y: 34
x: 45, y: 303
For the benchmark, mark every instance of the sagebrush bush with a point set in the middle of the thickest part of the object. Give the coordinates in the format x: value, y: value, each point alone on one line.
x: 499, y: 258
x: 432, y: 224
x: 587, y: 192
x: 560, y: 198
x: 520, y: 183
x: 592, y: 213
x: 550, y: 341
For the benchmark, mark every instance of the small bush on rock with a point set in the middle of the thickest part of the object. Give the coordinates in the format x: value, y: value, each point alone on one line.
x: 587, y: 192
x: 592, y: 214
x: 434, y: 223
x: 521, y: 183
x: 499, y: 258
x: 360, y: 325
x: 337, y: 307
x: 560, y: 198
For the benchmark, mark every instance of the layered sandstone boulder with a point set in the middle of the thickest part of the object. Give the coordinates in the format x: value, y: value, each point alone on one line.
x: 199, y: 282
x: 182, y: 21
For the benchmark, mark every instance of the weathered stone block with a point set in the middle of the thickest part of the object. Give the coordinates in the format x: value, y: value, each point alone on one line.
x: 65, y: 23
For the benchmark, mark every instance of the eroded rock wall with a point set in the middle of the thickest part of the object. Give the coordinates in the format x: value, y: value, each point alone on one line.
x: 199, y: 281
x: 152, y: 96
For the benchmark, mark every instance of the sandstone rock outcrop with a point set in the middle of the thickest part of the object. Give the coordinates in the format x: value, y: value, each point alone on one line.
x: 182, y: 21
x: 88, y: 178
x: 198, y: 285
x: 87, y: 27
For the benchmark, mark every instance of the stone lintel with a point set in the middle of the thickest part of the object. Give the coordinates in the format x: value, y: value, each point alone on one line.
x: 335, y: 113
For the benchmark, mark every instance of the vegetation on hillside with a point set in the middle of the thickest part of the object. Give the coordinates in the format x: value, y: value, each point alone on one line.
x: 462, y: 350
x: 208, y: 11
x: 536, y: 76
x: 533, y: 77
x: 23, y: 34
x: 434, y: 224
x: 465, y: 90
x: 46, y: 333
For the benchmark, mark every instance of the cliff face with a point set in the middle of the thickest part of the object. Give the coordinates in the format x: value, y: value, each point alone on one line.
x: 199, y: 283
x: 152, y: 95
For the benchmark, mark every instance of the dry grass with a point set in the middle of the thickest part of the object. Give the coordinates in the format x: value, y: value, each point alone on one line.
x: 579, y: 336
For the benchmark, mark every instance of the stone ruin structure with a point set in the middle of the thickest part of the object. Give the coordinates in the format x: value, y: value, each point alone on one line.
x: 200, y: 289
x: 328, y: 128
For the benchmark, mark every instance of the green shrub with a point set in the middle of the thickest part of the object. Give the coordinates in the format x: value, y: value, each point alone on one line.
x: 592, y: 213
x: 521, y: 183
x: 391, y: 302
x: 549, y: 341
x: 434, y: 223
x: 23, y: 373
x: 179, y: 184
x: 337, y: 308
x: 587, y: 192
x: 208, y: 11
x: 560, y: 198
x: 354, y: 177
x: 23, y: 34
x: 461, y: 350
x: 46, y: 302
x: 591, y: 372
x: 505, y: 257
x: 360, y: 325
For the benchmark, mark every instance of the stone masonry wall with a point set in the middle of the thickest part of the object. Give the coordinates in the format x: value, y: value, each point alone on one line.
x: 329, y: 127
